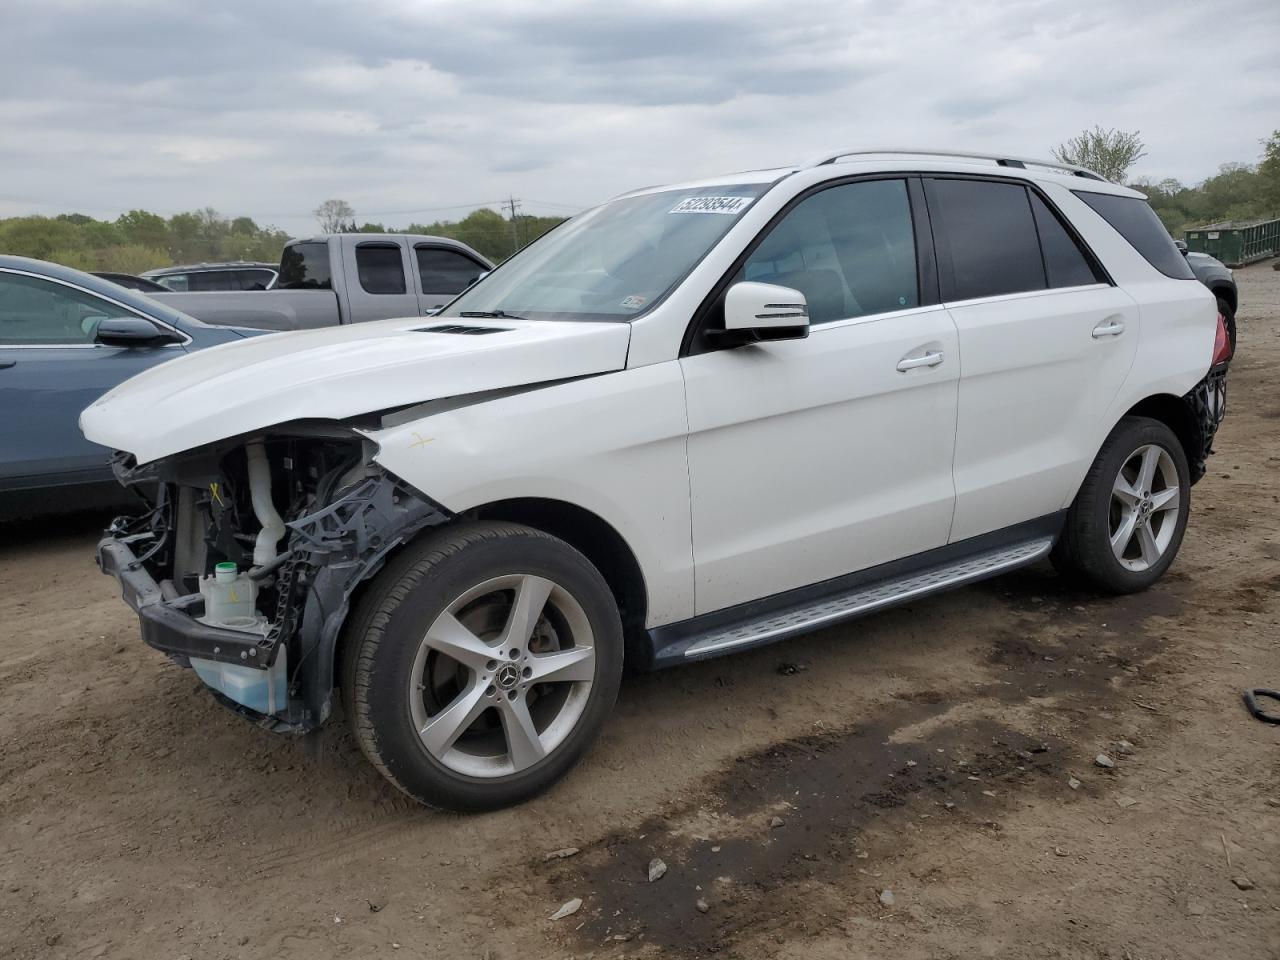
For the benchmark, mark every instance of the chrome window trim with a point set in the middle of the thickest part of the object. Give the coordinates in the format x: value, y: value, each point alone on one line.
x: 186, y: 337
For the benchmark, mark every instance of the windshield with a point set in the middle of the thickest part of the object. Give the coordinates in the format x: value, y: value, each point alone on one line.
x: 614, y: 261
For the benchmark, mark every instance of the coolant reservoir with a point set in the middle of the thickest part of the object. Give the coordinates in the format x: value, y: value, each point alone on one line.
x: 229, y: 599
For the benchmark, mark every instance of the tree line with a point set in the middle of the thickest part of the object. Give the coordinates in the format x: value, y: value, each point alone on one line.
x: 140, y: 240
x: 1238, y: 191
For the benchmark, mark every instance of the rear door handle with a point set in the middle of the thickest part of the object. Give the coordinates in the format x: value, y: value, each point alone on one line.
x: 6, y: 364
x: 931, y: 359
x: 1110, y: 327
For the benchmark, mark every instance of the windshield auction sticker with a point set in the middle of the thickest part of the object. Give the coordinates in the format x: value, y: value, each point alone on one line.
x: 729, y: 205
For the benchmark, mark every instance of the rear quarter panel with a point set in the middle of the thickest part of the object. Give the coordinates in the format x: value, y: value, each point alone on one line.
x: 1176, y: 329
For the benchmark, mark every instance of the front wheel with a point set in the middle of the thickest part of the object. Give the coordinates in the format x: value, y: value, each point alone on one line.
x: 1126, y: 524
x: 481, y: 665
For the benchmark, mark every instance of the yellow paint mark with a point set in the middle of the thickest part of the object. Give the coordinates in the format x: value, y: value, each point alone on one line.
x: 213, y: 488
x: 418, y: 441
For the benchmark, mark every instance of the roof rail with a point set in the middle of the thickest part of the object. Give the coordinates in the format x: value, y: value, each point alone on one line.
x: 999, y: 159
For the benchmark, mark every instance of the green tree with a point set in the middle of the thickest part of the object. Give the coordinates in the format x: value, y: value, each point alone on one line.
x: 143, y: 228
x: 1108, y: 153
x: 1269, y: 174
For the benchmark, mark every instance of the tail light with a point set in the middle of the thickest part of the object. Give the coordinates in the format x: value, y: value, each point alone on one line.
x: 1221, y: 342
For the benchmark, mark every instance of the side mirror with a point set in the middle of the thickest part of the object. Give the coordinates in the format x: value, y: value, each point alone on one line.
x: 1181, y: 245
x: 761, y: 312
x: 131, y: 332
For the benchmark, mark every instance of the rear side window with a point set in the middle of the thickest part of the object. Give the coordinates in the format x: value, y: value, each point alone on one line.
x: 212, y: 280
x: 1066, y: 264
x: 305, y: 266
x: 381, y: 268
x: 444, y: 271
x: 989, y: 238
x: 1134, y: 220
x: 252, y: 279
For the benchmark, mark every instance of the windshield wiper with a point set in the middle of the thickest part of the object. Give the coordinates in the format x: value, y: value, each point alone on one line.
x: 491, y: 314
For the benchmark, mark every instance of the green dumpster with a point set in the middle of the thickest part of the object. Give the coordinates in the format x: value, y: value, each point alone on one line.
x: 1236, y: 242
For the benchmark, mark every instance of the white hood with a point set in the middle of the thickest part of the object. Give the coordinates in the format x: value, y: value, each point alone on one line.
x: 338, y: 372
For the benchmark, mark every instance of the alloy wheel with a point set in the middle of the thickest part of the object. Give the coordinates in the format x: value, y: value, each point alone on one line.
x: 1143, y: 516
x: 502, y: 676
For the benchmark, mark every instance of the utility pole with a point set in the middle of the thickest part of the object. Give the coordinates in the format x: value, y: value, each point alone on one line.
x: 513, y: 204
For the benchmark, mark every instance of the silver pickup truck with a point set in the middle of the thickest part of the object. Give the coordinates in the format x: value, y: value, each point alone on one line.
x: 344, y: 278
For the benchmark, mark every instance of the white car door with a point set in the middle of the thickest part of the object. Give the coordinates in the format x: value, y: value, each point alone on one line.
x: 813, y: 458
x: 1046, y: 342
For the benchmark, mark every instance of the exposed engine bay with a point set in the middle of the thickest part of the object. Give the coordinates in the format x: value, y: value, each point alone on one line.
x: 244, y: 564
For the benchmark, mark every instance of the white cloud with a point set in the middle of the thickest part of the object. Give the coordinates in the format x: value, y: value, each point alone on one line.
x: 266, y: 110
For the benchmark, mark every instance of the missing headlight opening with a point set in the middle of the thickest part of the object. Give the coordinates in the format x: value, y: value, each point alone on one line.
x: 244, y: 566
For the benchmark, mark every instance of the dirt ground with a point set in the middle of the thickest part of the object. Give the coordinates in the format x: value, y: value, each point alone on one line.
x: 930, y: 752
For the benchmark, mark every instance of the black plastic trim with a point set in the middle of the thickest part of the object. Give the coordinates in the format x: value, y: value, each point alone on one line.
x: 668, y: 643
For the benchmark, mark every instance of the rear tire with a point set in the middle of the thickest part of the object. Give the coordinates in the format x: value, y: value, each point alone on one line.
x: 481, y: 665
x: 1126, y: 524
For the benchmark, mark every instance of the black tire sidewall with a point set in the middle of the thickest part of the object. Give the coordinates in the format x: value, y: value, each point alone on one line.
x: 1131, y: 434
x: 385, y: 688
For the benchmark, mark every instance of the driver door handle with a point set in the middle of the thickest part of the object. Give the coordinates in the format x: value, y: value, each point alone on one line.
x: 930, y: 359
x: 6, y: 364
x: 1110, y: 327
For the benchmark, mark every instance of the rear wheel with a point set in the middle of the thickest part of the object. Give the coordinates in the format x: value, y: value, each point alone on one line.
x: 481, y: 665
x: 1127, y: 522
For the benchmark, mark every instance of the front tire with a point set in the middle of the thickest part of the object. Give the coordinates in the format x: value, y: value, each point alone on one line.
x: 481, y: 665
x: 1126, y: 524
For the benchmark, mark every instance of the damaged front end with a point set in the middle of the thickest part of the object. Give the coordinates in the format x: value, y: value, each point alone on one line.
x: 245, y: 564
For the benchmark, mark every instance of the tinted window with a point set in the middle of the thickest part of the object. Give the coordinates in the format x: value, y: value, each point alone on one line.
x: 1066, y: 264
x: 305, y: 266
x: 252, y: 279
x: 445, y: 271
x: 174, y: 281
x: 990, y: 235
x: 212, y: 280
x: 381, y: 268
x: 1134, y: 220
x: 849, y: 249
x: 36, y: 311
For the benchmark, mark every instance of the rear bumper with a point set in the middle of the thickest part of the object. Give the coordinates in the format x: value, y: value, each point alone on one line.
x: 1207, y: 402
x: 169, y: 624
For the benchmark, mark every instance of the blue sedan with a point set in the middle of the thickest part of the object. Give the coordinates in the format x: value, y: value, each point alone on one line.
x: 66, y: 338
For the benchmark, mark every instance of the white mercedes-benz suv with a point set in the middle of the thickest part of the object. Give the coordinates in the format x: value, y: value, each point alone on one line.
x: 689, y: 421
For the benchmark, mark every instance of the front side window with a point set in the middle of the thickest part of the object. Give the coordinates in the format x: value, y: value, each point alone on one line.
x: 380, y: 268
x: 849, y: 249
x: 614, y: 261
x: 34, y: 311
x: 305, y: 266
x: 990, y: 239
x: 1134, y: 220
x: 445, y: 271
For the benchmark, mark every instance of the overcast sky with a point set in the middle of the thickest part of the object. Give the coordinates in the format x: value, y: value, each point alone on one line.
x: 418, y: 111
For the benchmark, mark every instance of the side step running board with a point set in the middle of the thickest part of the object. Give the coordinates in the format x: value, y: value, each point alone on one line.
x: 802, y: 618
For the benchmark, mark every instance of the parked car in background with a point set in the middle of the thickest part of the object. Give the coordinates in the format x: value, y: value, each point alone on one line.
x: 130, y: 282
x: 1217, y: 276
x: 696, y: 419
x: 346, y: 278
x: 236, y: 275
x: 66, y: 338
